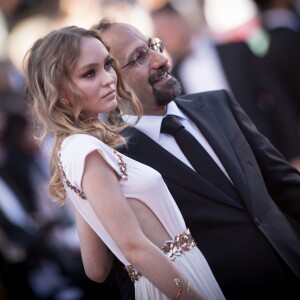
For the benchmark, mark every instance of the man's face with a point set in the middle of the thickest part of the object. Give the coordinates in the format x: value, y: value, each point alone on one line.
x: 151, y: 81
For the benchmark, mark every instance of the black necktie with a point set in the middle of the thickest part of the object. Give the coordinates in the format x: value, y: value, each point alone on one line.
x: 195, y: 153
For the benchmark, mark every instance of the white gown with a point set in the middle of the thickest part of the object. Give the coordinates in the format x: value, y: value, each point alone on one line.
x: 146, y: 185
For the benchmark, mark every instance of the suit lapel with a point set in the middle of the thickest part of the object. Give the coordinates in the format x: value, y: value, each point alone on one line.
x: 201, y: 115
x: 142, y: 148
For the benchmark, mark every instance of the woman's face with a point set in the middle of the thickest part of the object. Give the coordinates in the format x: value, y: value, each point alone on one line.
x: 95, y: 77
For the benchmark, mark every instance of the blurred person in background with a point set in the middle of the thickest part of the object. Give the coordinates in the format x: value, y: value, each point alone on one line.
x: 202, y: 63
x: 22, y: 246
x: 17, y: 10
x: 30, y: 224
x: 281, y: 20
x: 11, y: 88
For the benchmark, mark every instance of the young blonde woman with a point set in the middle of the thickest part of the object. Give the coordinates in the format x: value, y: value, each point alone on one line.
x: 122, y: 206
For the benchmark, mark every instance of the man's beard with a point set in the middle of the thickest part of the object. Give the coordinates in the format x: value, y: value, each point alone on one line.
x: 169, y: 92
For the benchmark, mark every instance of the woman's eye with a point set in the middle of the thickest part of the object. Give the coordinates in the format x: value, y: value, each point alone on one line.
x: 89, y: 74
x: 108, y: 65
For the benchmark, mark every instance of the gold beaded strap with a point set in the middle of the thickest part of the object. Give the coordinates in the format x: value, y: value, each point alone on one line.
x: 133, y: 274
x: 80, y: 193
x: 122, y: 165
x: 182, y: 242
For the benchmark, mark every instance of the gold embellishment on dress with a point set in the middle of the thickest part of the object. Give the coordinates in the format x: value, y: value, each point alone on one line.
x: 133, y: 274
x: 182, y: 242
x: 80, y: 193
x: 122, y: 165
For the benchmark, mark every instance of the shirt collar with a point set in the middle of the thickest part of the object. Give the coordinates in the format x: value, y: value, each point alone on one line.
x: 150, y: 125
x: 173, y: 109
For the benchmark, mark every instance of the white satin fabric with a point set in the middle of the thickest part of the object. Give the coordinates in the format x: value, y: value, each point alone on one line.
x: 146, y: 185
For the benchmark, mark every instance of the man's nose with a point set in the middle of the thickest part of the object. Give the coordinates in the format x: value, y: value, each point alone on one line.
x: 157, y: 59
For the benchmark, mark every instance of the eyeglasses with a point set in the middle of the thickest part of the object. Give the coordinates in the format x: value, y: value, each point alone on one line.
x: 141, y: 55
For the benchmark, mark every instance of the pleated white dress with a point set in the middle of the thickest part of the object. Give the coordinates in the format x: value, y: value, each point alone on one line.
x: 146, y: 185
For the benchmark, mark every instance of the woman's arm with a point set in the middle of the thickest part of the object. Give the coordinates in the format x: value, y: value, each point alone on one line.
x: 101, y: 186
x: 97, y: 258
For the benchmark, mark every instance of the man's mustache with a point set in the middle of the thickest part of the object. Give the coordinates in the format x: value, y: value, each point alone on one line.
x: 160, y: 72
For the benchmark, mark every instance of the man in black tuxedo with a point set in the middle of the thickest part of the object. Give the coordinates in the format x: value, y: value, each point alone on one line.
x: 248, y: 225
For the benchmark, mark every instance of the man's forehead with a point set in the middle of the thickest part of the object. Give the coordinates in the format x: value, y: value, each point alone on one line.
x: 127, y: 29
x: 122, y: 38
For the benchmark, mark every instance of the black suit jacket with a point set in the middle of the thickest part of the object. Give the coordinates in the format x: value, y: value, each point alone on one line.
x: 249, y: 244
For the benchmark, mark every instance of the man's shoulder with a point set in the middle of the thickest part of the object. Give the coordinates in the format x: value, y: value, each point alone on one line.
x: 204, y: 96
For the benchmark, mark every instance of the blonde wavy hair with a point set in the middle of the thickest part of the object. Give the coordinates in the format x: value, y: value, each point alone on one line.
x: 48, y: 66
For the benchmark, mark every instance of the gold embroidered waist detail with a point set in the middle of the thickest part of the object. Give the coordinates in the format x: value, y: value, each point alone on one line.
x: 182, y: 242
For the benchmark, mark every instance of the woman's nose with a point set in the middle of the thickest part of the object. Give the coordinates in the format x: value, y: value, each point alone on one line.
x: 107, y: 79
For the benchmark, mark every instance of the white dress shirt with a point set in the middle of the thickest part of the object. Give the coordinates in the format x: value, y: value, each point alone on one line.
x: 150, y: 125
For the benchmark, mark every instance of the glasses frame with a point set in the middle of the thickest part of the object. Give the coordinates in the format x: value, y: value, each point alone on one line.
x: 155, y: 45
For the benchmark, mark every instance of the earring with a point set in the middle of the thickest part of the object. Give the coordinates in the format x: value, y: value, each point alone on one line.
x: 65, y: 101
